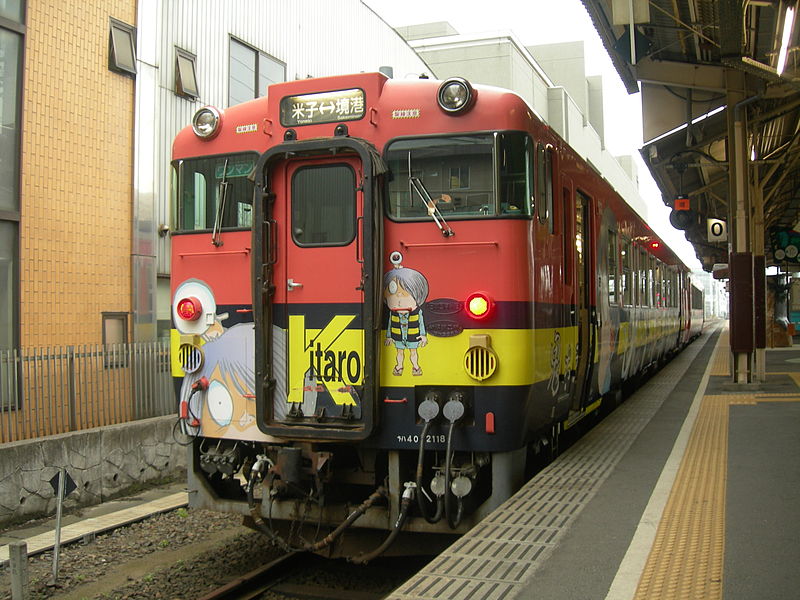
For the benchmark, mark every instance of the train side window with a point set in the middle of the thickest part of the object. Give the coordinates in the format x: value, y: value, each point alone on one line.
x: 544, y: 196
x: 642, y: 269
x: 516, y: 174
x: 658, y: 287
x: 612, y: 267
x: 626, y: 282
x: 566, y: 212
x: 324, y: 205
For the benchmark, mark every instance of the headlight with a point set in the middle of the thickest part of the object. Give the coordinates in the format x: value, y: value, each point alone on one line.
x: 456, y: 95
x: 205, y: 122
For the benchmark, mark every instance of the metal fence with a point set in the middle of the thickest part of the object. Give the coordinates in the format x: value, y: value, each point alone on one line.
x: 56, y: 390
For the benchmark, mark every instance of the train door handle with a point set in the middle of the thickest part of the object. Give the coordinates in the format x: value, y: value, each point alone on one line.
x: 292, y: 284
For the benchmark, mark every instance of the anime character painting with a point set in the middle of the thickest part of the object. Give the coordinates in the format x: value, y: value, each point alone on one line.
x: 405, y: 291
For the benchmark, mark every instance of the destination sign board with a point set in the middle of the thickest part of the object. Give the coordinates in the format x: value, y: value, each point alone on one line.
x: 324, y: 107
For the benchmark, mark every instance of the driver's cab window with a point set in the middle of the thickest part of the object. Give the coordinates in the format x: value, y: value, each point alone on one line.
x: 215, y: 191
x: 460, y: 176
x: 456, y: 173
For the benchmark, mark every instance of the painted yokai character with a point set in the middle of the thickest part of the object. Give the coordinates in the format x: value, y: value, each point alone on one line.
x: 404, y: 291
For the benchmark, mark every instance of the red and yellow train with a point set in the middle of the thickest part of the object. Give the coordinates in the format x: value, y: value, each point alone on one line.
x: 391, y: 297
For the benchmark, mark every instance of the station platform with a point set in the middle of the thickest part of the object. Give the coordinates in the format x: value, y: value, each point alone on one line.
x: 688, y: 490
x: 40, y: 536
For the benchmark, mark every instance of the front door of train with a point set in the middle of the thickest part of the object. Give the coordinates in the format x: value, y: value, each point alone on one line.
x: 310, y: 342
x: 324, y: 295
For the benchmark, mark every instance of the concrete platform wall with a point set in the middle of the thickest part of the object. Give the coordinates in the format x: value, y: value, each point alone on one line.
x: 103, y: 462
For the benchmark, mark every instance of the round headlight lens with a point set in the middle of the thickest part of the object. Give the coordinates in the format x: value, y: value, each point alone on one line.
x: 455, y: 95
x: 206, y: 122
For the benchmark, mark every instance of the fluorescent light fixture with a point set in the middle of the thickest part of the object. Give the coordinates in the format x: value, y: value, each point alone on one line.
x: 683, y: 126
x: 788, y: 22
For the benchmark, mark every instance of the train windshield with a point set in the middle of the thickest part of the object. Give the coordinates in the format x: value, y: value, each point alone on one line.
x: 214, y: 193
x: 467, y: 176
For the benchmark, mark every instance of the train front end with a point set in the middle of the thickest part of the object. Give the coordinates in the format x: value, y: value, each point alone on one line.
x: 378, y: 373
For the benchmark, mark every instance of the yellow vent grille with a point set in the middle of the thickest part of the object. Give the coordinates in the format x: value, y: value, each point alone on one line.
x: 190, y: 357
x: 480, y: 362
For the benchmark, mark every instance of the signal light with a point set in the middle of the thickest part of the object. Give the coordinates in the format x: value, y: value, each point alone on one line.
x: 189, y: 309
x: 681, y: 216
x: 478, y: 305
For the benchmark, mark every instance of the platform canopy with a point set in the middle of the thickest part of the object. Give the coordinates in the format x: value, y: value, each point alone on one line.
x: 700, y: 65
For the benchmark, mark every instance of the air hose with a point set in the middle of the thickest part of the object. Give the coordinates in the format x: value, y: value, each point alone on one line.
x: 453, y: 411
x: 257, y: 472
x: 360, y: 510
x: 428, y: 410
x: 405, y: 503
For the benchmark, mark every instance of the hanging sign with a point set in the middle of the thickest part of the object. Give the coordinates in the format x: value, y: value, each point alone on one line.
x: 717, y: 230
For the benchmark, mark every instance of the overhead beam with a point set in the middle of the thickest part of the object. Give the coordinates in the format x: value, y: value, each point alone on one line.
x: 698, y: 77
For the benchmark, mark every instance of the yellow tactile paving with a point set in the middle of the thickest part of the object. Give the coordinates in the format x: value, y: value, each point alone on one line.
x: 686, y: 559
x: 721, y: 361
x: 795, y: 377
x: 76, y: 531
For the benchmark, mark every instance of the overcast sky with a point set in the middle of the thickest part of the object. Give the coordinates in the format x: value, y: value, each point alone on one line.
x: 536, y: 22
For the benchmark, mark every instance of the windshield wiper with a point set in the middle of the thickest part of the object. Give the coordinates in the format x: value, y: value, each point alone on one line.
x: 222, y: 191
x: 430, y: 204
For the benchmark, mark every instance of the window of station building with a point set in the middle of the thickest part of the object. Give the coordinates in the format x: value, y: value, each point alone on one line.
x: 324, y: 205
x: 544, y: 176
x: 13, y: 10
x: 122, y: 48
x: 459, y: 178
x: 115, y: 336
x: 8, y: 285
x: 12, y: 42
x: 186, y: 74
x: 250, y: 72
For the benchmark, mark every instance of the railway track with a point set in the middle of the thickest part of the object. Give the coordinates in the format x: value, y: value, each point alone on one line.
x: 298, y: 575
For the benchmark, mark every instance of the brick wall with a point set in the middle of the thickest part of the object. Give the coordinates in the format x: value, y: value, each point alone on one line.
x: 77, y: 172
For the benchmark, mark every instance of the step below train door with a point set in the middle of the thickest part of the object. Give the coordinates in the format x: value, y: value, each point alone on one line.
x: 311, y: 356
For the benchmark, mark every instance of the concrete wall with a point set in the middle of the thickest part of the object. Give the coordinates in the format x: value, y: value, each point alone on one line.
x: 104, y: 462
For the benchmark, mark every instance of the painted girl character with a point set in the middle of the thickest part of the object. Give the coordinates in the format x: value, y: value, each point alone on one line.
x: 404, y: 291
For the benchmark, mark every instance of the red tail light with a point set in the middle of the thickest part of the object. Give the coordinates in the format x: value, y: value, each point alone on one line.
x: 478, y: 305
x: 189, y: 309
